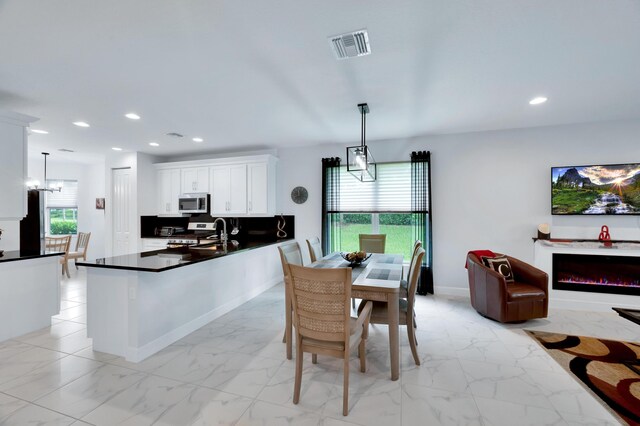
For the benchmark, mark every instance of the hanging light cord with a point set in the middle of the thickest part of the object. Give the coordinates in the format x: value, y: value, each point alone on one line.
x: 363, y: 131
x: 45, y: 168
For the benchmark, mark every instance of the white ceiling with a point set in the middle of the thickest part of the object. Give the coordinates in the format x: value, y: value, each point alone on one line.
x: 260, y: 74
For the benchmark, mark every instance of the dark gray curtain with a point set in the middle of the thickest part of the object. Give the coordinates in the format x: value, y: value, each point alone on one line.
x: 421, y: 215
x: 330, y: 204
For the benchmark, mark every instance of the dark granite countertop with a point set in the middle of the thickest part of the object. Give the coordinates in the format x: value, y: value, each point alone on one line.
x: 166, y: 259
x: 15, y: 255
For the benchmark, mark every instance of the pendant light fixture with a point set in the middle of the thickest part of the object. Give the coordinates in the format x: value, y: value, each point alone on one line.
x: 34, y: 184
x: 360, y: 162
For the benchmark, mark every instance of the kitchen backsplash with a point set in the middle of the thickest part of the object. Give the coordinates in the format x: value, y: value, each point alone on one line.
x: 250, y: 228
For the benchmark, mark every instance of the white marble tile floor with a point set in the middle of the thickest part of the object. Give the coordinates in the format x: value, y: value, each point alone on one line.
x: 233, y: 371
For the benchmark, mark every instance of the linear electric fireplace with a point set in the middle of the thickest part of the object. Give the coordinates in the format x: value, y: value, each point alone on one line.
x: 596, y: 273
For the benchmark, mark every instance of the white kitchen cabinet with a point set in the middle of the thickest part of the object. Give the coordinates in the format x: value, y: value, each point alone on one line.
x: 168, y: 191
x: 229, y: 190
x: 195, y: 180
x: 239, y: 186
x: 13, y: 165
x: 258, y: 188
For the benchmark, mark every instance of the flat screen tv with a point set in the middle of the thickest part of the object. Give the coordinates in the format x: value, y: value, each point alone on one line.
x: 612, y: 189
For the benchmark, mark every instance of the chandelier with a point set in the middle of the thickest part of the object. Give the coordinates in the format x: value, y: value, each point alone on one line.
x: 34, y: 183
x: 360, y: 162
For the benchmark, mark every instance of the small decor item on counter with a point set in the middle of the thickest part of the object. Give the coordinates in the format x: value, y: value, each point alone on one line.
x: 544, y: 231
x: 281, y: 224
x: 99, y: 203
x: 355, y: 258
x: 605, y: 237
x: 234, y: 225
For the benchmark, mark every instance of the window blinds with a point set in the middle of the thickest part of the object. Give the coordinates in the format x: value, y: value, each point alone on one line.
x: 390, y: 192
x: 68, y: 197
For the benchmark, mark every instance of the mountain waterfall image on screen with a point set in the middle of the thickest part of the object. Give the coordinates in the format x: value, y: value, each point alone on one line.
x: 596, y: 190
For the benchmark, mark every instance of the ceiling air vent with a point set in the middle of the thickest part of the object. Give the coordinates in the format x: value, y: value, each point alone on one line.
x: 65, y: 150
x: 350, y: 45
x: 174, y: 135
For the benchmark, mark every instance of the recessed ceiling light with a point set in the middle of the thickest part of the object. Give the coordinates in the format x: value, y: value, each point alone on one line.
x: 81, y: 124
x: 132, y: 116
x: 538, y: 100
x: 115, y: 148
x: 197, y: 140
x: 154, y: 144
x: 42, y: 132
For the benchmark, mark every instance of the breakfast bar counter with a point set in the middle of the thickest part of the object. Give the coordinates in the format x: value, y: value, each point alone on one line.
x: 139, y: 304
x: 166, y: 259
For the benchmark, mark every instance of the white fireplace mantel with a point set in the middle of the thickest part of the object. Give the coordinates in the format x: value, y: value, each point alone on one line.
x: 579, y: 300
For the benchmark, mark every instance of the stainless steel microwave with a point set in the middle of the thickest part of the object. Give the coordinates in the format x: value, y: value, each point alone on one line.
x: 194, y: 203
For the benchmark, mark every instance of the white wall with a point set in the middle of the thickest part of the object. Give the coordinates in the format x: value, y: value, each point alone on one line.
x: 490, y: 189
x: 10, y: 235
x: 91, y: 185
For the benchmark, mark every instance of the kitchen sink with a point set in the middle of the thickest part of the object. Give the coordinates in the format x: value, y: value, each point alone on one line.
x: 210, y: 247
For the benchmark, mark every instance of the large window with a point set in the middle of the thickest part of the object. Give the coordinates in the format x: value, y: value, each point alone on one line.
x: 379, y: 207
x: 62, y: 209
x: 397, y: 203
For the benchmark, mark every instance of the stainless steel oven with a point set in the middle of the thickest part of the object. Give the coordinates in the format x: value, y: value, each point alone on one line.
x: 194, y: 203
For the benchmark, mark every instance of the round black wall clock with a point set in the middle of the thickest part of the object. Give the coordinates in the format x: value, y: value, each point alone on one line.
x: 299, y: 194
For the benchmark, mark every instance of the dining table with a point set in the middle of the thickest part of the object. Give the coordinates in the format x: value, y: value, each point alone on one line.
x: 378, y: 279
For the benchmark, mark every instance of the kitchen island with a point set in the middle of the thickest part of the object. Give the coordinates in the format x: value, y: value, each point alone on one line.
x: 139, y: 304
x: 29, y: 291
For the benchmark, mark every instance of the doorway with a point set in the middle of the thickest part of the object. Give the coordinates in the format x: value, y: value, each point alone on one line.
x: 121, y: 210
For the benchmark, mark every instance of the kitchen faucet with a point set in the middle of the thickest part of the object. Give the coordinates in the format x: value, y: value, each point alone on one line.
x: 223, y: 236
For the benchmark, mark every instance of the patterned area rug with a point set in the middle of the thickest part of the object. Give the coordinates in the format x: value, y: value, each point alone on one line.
x: 608, y: 368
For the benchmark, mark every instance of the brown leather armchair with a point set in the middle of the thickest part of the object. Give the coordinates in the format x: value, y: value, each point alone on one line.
x: 493, y: 297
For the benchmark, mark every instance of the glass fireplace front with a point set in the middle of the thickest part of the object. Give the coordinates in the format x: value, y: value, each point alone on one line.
x: 596, y: 273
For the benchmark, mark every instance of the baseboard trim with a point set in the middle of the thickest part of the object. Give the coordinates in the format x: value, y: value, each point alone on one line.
x: 139, y: 354
x: 451, y: 291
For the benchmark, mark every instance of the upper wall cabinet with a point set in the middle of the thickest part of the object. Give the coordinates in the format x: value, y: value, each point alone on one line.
x: 229, y: 190
x: 168, y: 191
x: 195, y: 179
x: 239, y: 186
x: 13, y: 165
x: 258, y: 188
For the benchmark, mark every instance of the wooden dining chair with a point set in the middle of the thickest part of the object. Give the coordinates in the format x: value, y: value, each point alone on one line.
x: 82, y: 244
x: 404, y: 283
x: 315, y: 249
x: 407, y: 311
x: 323, y: 323
x: 372, y: 243
x: 61, y: 245
x: 290, y: 254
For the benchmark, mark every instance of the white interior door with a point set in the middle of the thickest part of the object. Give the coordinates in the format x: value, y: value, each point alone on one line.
x: 121, y: 204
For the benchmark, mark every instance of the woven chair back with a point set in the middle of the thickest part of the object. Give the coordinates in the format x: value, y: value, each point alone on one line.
x: 414, y: 276
x: 372, y: 243
x: 290, y: 254
x: 321, y: 302
x: 315, y: 249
